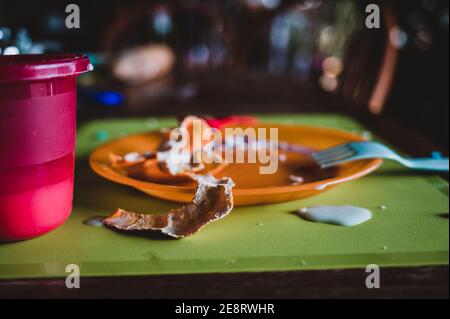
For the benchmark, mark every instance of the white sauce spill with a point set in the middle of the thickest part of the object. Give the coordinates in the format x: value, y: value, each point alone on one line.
x: 338, y: 215
x: 94, y: 222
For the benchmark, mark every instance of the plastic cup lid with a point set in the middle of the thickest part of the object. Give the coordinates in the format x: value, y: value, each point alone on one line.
x: 33, y: 67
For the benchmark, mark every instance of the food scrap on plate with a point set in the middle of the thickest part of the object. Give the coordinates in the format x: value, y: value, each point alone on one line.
x: 213, y: 200
x: 130, y: 159
x: 173, y: 156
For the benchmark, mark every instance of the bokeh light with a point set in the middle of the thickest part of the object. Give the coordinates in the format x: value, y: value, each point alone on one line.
x: 332, y: 67
x: 199, y: 55
x: 424, y: 38
x: 263, y: 4
x: 328, y: 84
x: 11, y: 50
x: 270, y: 4
x: 309, y: 4
x: 397, y: 37
x: 162, y: 22
x: 328, y: 39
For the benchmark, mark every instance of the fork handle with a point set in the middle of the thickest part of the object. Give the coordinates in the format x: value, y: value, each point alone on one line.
x: 428, y: 164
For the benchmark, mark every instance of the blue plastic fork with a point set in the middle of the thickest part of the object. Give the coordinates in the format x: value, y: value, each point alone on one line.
x: 365, y: 150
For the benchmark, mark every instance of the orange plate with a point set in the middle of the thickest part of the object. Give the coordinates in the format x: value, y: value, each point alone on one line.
x: 251, y: 187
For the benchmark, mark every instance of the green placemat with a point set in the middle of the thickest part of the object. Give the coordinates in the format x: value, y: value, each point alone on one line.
x: 413, y: 230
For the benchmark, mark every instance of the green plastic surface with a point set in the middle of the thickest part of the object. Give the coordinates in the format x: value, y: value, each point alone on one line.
x: 412, y: 230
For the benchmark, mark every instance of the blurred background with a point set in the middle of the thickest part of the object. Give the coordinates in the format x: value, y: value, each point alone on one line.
x: 219, y: 57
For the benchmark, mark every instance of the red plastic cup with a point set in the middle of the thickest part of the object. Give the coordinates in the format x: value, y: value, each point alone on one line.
x: 37, y: 140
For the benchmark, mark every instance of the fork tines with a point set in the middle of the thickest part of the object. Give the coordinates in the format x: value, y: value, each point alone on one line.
x: 334, y: 155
